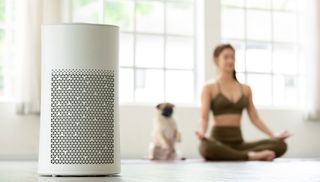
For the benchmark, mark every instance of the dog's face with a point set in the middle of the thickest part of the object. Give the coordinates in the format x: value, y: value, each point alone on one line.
x: 165, y: 109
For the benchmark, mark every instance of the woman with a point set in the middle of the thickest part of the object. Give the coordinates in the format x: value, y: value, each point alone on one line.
x: 227, y: 98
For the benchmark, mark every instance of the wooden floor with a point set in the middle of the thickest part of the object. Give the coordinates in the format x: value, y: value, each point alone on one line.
x: 306, y: 170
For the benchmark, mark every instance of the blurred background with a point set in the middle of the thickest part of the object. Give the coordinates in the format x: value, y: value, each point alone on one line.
x: 166, y: 56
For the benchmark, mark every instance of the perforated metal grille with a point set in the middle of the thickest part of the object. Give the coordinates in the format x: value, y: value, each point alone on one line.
x: 82, y: 116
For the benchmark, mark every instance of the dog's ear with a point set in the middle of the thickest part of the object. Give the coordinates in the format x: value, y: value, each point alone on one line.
x: 158, y: 106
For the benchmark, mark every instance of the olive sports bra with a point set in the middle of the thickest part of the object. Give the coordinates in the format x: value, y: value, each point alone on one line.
x: 220, y: 104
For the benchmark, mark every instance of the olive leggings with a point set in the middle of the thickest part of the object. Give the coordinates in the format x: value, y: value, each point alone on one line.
x: 226, y: 143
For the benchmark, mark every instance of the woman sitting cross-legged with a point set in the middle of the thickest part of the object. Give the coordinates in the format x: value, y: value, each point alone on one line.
x: 227, y: 98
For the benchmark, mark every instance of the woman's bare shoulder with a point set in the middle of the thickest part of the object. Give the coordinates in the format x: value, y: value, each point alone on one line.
x: 211, y: 87
x: 246, y: 88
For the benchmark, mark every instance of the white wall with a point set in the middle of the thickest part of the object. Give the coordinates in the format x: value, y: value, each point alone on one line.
x: 19, y: 134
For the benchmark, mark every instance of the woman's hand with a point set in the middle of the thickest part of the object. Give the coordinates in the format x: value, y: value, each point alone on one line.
x: 282, y: 135
x: 200, y: 135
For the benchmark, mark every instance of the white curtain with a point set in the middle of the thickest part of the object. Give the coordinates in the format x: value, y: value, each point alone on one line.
x: 310, y: 59
x: 312, y: 91
x: 31, y: 14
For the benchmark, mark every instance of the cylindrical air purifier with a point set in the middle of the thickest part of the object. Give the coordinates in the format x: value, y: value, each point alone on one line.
x: 79, y: 128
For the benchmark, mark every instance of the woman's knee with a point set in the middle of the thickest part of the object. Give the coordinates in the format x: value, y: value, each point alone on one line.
x: 208, y: 149
x: 205, y: 148
x: 281, y: 147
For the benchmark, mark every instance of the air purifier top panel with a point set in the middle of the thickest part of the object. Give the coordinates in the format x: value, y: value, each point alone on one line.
x: 73, y: 48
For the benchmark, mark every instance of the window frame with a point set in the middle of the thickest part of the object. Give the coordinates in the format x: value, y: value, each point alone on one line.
x: 273, y: 43
x: 164, y: 36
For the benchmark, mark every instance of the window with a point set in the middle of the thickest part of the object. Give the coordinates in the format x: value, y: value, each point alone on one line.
x: 157, y: 46
x: 7, y: 63
x: 264, y: 33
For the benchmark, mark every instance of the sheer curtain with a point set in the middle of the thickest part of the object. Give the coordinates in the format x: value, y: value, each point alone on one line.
x: 312, y: 109
x: 310, y: 59
x: 31, y: 15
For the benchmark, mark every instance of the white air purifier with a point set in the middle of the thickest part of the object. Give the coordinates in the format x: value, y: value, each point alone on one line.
x: 79, y: 128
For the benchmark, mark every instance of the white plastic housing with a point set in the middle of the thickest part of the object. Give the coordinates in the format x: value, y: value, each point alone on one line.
x: 79, y: 129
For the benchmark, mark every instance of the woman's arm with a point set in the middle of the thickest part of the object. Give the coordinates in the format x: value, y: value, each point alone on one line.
x: 205, y: 108
x: 253, y: 115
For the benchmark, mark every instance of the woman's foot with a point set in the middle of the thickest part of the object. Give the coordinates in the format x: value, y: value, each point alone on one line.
x: 264, y: 155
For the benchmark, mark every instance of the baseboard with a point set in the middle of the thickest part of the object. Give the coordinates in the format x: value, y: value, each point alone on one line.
x: 8, y: 157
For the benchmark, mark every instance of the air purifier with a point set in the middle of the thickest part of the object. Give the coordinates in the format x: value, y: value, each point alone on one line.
x: 79, y: 126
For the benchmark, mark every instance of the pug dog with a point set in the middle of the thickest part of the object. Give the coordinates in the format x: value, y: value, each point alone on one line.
x: 165, y: 134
